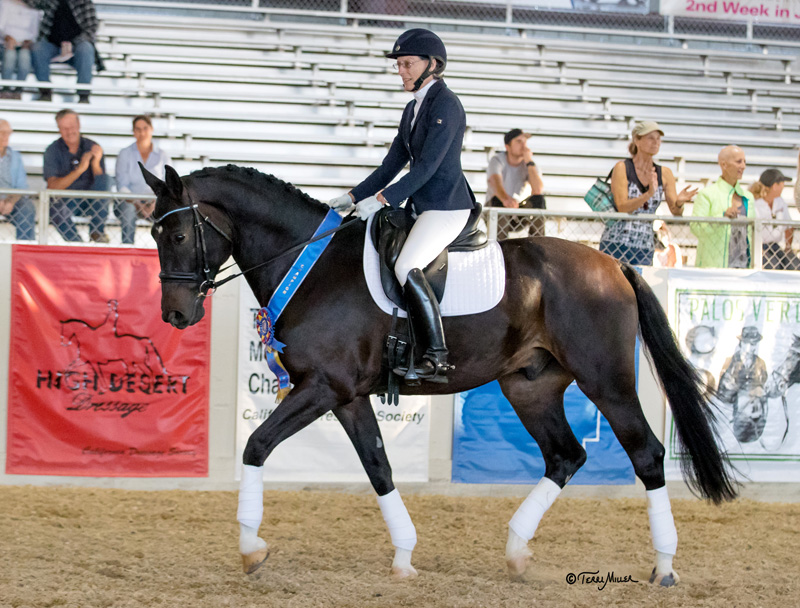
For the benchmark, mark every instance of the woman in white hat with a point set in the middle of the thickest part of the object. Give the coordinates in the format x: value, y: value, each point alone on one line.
x: 638, y: 186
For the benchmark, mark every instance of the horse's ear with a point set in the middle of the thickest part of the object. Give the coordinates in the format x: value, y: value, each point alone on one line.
x: 156, y: 185
x: 174, y: 183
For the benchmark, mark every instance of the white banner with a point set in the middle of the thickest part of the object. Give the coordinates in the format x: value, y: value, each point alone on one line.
x: 321, y: 452
x: 743, y: 333
x: 763, y: 11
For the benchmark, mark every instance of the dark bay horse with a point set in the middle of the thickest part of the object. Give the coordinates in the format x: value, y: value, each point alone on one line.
x: 568, y: 313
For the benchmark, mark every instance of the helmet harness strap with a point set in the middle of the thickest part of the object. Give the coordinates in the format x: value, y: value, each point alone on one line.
x: 418, y: 82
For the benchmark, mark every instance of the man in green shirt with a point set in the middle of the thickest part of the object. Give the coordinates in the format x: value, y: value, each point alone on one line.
x: 724, y: 245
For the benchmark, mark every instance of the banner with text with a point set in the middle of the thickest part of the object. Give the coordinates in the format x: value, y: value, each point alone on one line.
x: 99, y: 385
x: 760, y: 11
x: 744, y: 337
x: 321, y: 452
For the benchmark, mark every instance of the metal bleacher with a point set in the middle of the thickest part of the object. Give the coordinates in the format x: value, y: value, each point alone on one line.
x: 317, y: 105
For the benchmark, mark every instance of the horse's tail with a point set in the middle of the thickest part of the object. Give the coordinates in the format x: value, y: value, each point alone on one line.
x: 705, y: 467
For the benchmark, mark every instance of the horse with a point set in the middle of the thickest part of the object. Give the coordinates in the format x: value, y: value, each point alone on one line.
x: 568, y: 313
x: 93, y: 348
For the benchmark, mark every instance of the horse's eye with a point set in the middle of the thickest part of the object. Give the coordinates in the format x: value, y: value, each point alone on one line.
x: 179, y: 238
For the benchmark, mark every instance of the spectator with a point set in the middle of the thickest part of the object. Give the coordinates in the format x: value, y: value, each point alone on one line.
x: 67, y: 34
x: 638, y: 186
x: 770, y: 206
x: 20, y: 210
x: 74, y: 162
x: 724, y: 245
x: 18, y: 27
x: 130, y: 179
x: 667, y: 254
x: 513, y: 181
x: 797, y: 184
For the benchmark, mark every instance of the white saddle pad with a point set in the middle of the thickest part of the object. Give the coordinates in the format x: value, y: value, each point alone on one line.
x: 476, y: 280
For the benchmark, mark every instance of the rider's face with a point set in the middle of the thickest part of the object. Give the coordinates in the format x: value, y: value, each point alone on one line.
x: 410, y: 68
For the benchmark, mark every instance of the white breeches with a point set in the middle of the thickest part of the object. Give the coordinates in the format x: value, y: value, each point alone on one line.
x: 432, y: 232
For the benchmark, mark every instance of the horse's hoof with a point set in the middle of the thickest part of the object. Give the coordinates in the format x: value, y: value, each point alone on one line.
x: 253, y: 561
x: 517, y: 565
x: 402, y: 573
x: 665, y: 580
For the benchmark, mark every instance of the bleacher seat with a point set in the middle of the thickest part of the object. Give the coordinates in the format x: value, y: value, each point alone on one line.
x: 319, y: 105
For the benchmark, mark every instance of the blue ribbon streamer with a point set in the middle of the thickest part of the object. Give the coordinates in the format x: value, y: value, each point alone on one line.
x: 266, y: 318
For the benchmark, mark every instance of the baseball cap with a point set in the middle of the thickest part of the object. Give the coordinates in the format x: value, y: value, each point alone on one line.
x: 514, y: 133
x: 644, y: 127
x: 771, y: 177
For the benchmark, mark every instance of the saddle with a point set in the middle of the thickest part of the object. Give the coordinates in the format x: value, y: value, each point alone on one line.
x: 389, y: 231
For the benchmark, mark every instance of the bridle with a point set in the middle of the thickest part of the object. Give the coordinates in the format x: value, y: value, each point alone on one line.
x: 205, y: 279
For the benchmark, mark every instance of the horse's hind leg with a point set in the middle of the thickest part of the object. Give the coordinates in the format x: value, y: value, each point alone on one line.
x: 358, y: 420
x: 618, y: 402
x: 539, y: 403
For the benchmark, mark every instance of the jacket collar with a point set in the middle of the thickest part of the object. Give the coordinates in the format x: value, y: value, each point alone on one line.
x: 434, y: 89
x: 724, y: 186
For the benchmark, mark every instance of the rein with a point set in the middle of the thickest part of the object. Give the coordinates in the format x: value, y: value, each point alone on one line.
x: 206, y: 280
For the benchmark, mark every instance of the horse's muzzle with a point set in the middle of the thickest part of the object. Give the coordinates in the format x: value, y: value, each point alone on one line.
x: 181, y: 321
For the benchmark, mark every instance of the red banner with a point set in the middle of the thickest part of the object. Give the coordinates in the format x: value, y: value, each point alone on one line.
x: 99, y: 385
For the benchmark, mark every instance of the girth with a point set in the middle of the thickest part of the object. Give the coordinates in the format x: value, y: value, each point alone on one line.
x: 389, y: 231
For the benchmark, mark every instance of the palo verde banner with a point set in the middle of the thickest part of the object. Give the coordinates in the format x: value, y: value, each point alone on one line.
x: 742, y: 333
x: 99, y: 385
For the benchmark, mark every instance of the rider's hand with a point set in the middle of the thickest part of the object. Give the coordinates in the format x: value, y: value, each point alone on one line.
x: 367, y: 207
x: 342, y: 203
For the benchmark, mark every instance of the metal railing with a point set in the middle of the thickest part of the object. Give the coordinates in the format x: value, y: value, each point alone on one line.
x: 52, y: 217
x: 651, y: 243
x: 55, y: 217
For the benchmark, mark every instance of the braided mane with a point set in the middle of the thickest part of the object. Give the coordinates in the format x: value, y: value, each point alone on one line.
x: 254, y: 177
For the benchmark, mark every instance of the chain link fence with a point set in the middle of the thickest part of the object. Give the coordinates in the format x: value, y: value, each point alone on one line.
x: 664, y: 241
x: 618, y: 21
x: 55, y: 217
x: 18, y: 215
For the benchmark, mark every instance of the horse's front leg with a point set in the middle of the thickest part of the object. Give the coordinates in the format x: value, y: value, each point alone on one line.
x: 358, y: 420
x: 307, y: 402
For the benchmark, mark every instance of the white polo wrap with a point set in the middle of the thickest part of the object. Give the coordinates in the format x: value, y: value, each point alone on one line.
x: 662, y: 525
x: 531, y: 511
x: 395, y: 514
x: 251, y: 496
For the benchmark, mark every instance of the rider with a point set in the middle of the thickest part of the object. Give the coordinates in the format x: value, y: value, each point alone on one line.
x: 429, y: 137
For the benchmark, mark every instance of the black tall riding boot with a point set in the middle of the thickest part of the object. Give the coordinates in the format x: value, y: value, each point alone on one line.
x: 423, y: 312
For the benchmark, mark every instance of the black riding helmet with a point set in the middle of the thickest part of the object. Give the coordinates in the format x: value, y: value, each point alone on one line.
x: 422, y: 43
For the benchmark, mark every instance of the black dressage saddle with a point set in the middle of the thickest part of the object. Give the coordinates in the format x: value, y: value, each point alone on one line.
x: 389, y: 231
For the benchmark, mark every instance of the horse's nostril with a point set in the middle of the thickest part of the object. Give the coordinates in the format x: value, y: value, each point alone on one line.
x: 174, y: 318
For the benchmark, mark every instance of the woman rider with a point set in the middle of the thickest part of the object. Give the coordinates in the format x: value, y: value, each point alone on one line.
x: 429, y: 137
